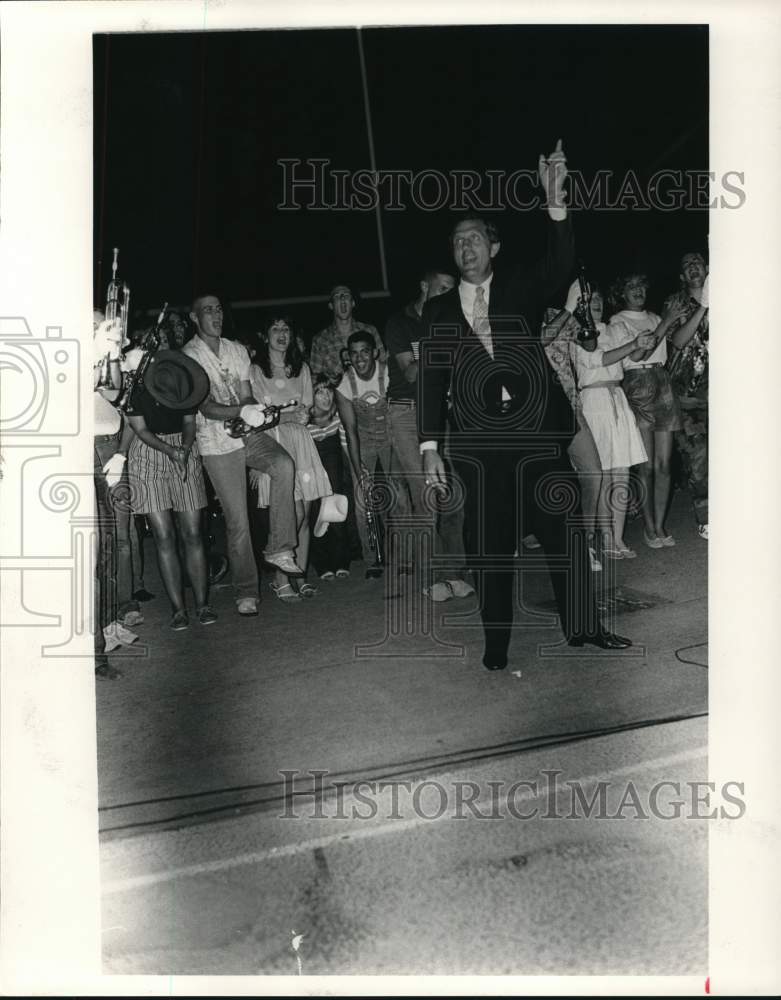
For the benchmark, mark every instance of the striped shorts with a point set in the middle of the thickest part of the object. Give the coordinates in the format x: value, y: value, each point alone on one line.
x: 156, y: 482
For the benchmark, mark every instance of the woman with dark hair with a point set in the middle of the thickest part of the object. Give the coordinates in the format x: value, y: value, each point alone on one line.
x: 649, y: 392
x: 279, y: 375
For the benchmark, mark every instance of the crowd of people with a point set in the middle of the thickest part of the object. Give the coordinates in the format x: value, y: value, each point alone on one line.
x: 353, y: 449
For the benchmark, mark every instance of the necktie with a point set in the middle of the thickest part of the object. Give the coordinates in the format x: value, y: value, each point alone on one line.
x: 480, y: 324
x: 482, y: 329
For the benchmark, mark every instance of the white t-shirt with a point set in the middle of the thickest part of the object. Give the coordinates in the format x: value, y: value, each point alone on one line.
x: 628, y: 324
x: 368, y: 390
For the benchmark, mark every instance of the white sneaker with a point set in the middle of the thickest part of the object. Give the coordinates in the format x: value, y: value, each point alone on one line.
x: 117, y: 635
x: 439, y: 592
x: 247, y: 606
x: 285, y: 562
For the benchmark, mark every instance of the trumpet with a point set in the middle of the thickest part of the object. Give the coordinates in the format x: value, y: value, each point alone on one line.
x: 115, y: 310
x: 149, y: 346
x: 238, y: 428
x: 583, y: 315
x: 105, y: 381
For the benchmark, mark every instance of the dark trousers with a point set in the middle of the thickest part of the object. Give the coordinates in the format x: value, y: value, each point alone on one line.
x: 332, y: 551
x: 503, y: 490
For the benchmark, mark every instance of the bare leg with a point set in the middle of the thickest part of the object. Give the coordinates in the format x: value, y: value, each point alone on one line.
x: 619, y: 497
x: 189, y: 524
x: 164, y: 534
x: 663, y: 451
x: 645, y: 472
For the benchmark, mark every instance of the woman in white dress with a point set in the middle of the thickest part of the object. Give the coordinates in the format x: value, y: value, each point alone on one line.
x: 278, y: 376
x: 598, y: 364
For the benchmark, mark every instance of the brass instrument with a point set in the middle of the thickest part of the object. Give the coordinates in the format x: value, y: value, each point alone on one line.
x: 588, y: 330
x: 149, y: 345
x: 238, y: 428
x: 372, y: 527
x: 105, y: 381
x: 115, y: 310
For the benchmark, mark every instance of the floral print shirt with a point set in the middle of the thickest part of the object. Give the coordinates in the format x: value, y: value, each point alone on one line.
x: 688, y: 365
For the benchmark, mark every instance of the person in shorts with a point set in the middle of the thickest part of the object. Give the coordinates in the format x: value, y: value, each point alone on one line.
x: 166, y: 476
x: 649, y: 392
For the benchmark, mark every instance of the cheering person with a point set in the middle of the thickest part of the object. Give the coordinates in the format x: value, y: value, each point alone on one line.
x: 278, y: 376
x: 166, y: 477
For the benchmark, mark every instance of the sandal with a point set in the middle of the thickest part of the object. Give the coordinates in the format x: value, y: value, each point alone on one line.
x: 285, y: 593
x: 328, y: 575
x: 307, y: 590
x: 342, y: 574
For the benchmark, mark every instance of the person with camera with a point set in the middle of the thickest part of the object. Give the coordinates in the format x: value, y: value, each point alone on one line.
x: 227, y: 458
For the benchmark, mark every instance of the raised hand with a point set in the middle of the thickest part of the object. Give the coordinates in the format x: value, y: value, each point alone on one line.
x: 553, y: 173
x: 573, y: 297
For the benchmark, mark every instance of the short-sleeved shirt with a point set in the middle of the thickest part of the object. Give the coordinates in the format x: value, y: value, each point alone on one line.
x: 369, y: 390
x: 159, y: 419
x: 226, y: 372
x: 403, y: 333
x: 628, y: 324
x: 327, y: 346
x: 688, y: 365
x: 590, y: 366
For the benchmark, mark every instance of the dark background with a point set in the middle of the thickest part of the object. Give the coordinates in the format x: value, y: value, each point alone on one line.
x: 189, y: 128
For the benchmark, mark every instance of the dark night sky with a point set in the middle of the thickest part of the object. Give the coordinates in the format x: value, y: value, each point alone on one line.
x: 189, y: 128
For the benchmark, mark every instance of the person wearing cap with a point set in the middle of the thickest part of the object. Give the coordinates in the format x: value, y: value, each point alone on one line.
x: 166, y: 476
x: 329, y: 346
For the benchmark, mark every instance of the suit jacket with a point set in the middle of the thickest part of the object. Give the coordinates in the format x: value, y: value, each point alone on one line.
x: 452, y: 358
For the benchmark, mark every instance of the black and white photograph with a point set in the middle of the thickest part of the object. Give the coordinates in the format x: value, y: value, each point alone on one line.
x: 387, y: 612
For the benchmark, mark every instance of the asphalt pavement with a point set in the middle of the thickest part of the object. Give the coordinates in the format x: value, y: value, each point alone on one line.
x: 367, y: 681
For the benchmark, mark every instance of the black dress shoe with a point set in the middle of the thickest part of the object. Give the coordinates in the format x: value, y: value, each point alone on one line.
x: 604, y: 640
x: 493, y: 661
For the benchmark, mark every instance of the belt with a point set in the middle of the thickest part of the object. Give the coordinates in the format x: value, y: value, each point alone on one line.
x: 655, y: 364
x: 104, y: 438
x: 408, y: 403
x: 607, y: 385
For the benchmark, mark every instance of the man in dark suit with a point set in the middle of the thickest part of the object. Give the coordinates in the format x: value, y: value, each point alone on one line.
x: 511, y: 422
